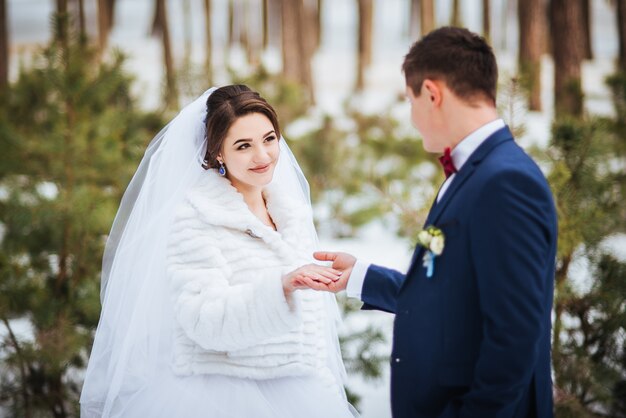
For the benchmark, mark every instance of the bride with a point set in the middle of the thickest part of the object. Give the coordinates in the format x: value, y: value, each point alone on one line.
x: 205, y: 310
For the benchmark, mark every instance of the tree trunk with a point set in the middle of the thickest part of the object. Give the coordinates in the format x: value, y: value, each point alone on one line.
x: 487, y: 18
x: 82, y: 26
x: 427, y: 16
x: 559, y: 306
x: 366, y: 19
x: 16, y: 345
x: 531, y: 15
x: 291, y: 53
x: 208, y: 46
x: 414, y: 19
x: 297, y: 46
x: 621, y: 27
x: 4, y: 46
x: 61, y: 6
x: 318, y: 24
x: 111, y: 13
x: 456, y: 13
x: 187, y: 32
x: 247, y: 39
x: 104, y: 24
x: 157, y: 20
x: 565, y: 16
x: 171, y: 98
x: 242, y: 24
x: 312, y: 10
x: 587, y: 19
x: 231, y: 22
x: 62, y: 21
x: 265, y: 23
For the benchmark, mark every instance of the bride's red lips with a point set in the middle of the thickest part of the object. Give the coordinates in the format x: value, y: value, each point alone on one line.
x: 261, y: 168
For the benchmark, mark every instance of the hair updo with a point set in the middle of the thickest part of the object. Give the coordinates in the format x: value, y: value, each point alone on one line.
x: 224, y: 106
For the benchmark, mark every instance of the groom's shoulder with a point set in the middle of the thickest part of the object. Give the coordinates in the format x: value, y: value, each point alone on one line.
x: 509, y: 163
x: 510, y: 157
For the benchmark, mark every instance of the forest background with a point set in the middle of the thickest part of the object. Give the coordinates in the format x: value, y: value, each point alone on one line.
x: 85, y: 84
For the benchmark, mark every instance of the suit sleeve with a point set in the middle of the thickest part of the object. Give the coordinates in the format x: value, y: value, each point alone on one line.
x: 380, y: 288
x: 511, y: 236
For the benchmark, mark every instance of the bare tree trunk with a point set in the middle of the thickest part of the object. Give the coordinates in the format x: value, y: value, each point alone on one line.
x: 231, y: 22
x: 171, y: 95
x: 312, y: 10
x: 366, y: 19
x: 187, y: 32
x: 531, y: 14
x: 621, y: 28
x: 4, y: 46
x: 565, y: 16
x: 587, y: 19
x: 247, y: 39
x: 297, y: 46
x: 104, y: 24
x: 242, y: 25
x: 62, y: 22
x: 16, y: 345
x: 208, y: 46
x: 456, y: 13
x: 291, y: 53
x: 265, y: 23
x: 427, y: 16
x: 61, y: 6
x: 414, y: 19
x: 318, y: 24
x: 111, y: 13
x: 487, y: 18
x: 82, y: 26
x: 275, y: 22
x: 157, y: 20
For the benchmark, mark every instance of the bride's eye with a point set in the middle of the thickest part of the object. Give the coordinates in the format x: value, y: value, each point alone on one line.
x: 243, y: 146
x: 270, y: 138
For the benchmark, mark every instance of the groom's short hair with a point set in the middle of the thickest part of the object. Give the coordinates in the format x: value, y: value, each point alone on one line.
x: 460, y: 58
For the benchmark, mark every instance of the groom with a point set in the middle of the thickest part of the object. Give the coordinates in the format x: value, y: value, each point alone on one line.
x: 472, y: 326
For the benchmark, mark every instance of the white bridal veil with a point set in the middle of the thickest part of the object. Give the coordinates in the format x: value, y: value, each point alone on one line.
x: 134, y: 336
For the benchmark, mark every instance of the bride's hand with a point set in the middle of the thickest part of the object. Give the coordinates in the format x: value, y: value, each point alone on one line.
x: 310, y: 276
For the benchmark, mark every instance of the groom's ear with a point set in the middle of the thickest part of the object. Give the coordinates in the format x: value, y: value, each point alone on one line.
x: 433, y: 92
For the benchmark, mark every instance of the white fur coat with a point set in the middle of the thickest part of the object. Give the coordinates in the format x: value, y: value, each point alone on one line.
x: 225, y: 268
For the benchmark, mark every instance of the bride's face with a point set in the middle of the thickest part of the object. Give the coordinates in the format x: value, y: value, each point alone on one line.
x: 250, y: 151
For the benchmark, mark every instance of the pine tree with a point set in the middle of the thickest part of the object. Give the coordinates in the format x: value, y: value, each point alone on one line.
x: 532, y: 24
x: 71, y: 136
x: 588, y: 179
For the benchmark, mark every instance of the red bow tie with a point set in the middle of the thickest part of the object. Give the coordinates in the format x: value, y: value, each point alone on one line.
x: 447, y: 163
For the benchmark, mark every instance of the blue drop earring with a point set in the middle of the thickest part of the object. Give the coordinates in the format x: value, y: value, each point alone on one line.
x: 222, y: 169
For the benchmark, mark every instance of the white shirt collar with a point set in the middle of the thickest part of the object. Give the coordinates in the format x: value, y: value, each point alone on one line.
x: 464, y: 149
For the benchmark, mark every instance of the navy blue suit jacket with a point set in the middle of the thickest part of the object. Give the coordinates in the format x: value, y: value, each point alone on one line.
x: 474, y: 339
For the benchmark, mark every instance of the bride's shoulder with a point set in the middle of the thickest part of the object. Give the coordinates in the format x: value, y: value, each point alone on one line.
x: 210, y: 189
x: 211, y: 200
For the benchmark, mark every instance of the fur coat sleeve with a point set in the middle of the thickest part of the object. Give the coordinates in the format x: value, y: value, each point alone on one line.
x: 225, y: 305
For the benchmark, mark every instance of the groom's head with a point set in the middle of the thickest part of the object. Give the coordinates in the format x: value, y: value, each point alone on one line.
x: 461, y: 59
x: 450, y: 74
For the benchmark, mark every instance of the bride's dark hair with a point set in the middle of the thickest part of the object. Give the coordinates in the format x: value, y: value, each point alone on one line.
x: 224, y: 106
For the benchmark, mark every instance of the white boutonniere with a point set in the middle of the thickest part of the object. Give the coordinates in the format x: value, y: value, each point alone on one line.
x: 433, y: 240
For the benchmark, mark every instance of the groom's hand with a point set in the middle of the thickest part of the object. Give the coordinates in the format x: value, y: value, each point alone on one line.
x: 310, y: 276
x: 343, y: 262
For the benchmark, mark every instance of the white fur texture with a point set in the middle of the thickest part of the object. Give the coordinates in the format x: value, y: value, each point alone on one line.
x: 225, y: 267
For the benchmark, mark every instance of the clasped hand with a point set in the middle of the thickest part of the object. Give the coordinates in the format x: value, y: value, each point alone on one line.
x: 318, y: 277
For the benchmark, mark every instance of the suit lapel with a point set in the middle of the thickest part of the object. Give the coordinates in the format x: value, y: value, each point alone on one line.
x: 495, y: 139
x: 467, y: 170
